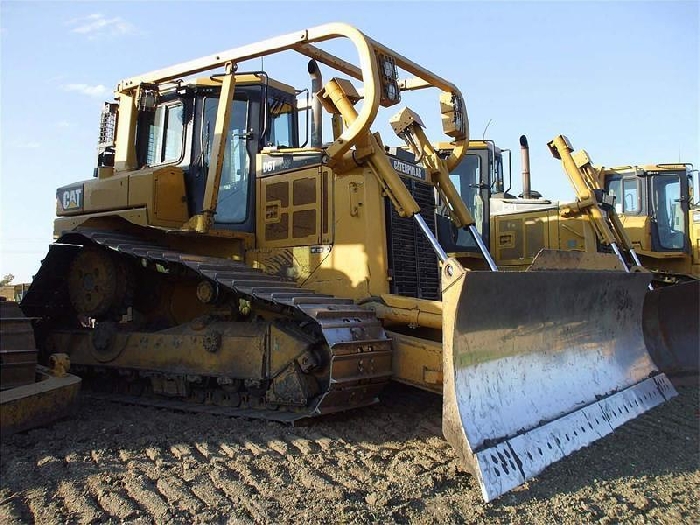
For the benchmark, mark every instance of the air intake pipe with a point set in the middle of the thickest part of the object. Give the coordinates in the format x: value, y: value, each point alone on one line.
x: 525, y: 161
x: 316, y: 110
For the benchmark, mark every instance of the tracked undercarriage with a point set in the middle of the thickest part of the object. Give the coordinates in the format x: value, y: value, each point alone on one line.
x: 149, y: 322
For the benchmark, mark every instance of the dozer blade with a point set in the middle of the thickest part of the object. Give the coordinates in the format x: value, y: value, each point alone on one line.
x: 672, y: 327
x: 540, y: 364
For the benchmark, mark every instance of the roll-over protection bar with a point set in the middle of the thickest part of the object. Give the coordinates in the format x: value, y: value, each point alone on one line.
x: 300, y: 41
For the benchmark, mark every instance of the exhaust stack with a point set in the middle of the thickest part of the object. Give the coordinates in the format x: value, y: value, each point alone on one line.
x: 525, y: 156
x: 316, y: 122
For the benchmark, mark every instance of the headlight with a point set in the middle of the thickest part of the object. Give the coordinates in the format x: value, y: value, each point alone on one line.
x: 390, y: 94
x: 147, y: 97
x: 454, y: 116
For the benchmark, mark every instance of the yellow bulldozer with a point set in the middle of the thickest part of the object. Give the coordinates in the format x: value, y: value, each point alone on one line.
x: 642, y: 216
x: 650, y: 218
x: 655, y: 206
x: 217, y: 260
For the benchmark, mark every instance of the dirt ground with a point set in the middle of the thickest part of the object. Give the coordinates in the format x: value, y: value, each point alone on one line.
x: 387, y: 463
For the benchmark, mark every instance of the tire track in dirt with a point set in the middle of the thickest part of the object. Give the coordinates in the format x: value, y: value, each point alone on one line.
x: 245, y: 504
x: 147, y: 496
x: 169, y: 472
x: 79, y: 507
x: 265, y: 475
x: 12, y: 508
x: 213, y: 497
x: 149, y: 483
x: 112, y: 500
x: 42, y: 507
x: 386, y: 463
x: 303, y: 445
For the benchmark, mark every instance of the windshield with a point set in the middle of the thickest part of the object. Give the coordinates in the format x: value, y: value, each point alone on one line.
x: 232, y: 204
x: 466, y: 180
x: 667, y: 204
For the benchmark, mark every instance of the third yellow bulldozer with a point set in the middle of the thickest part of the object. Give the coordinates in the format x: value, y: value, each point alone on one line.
x: 219, y: 260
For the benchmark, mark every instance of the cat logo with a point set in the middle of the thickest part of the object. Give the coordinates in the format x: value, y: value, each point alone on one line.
x: 70, y: 198
x: 409, y: 169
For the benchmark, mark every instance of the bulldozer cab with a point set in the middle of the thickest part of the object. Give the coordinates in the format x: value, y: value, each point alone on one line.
x: 658, y: 194
x: 263, y: 115
x: 222, y: 147
x: 478, y: 178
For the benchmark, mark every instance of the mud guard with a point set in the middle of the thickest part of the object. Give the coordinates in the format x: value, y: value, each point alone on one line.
x: 672, y: 327
x: 540, y: 364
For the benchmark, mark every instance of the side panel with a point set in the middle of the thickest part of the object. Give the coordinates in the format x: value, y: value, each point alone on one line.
x: 169, y: 199
x: 338, y: 246
x: 162, y: 192
x: 289, y: 209
x: 638, y: 229
x: 518, y: 238
x: 106, y: 194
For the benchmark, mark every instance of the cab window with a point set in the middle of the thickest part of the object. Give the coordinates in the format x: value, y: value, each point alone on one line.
x: 165, y: 134
x: 630, y: 192
x: 466, y: 180
x: 497, y: 182
x: 626, y: 193
x: 281, y: 133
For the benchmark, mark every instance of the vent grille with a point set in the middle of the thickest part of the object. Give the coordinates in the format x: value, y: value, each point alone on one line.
x: 413, y: 264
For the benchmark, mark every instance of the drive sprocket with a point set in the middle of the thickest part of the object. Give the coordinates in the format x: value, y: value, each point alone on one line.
x: 100, y: 285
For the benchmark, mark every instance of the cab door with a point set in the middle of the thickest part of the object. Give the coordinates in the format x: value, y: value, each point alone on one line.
x: 471, y: 179
x: 668, y: 202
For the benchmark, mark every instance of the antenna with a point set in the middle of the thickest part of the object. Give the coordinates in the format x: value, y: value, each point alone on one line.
x: 487, y: 127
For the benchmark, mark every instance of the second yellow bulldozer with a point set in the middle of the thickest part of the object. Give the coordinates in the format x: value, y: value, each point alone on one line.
x: 647, y: 218
x: 643, y: 217
x: 217, y: 259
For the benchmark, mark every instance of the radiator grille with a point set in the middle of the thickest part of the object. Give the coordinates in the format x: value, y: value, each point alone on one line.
x: 413, y: 264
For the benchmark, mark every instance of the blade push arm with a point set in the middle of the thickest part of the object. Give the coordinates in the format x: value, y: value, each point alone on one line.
x: 339, y: 96
x: 408, y: 126
x: 584, y: 178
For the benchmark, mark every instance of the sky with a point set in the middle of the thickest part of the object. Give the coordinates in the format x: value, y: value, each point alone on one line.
x: 620, y: 79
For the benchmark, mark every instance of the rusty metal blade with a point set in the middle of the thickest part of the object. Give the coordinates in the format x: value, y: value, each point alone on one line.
x: 540, y: 364
x: 672, y: 327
